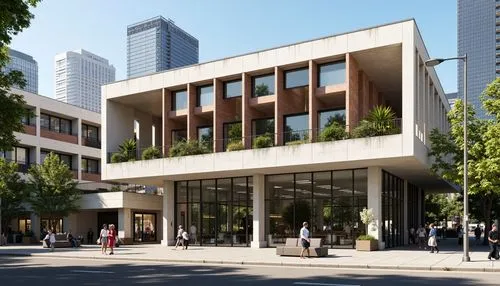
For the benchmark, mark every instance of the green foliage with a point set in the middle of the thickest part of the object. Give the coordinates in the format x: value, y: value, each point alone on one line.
x: 235, y: 146
x: 439, y: 207
x: 129, y: 149
x: 235, y: 132
x: 13, y: 192
x: 297, y: 213
x: 262, y: 89
x: 379, y: 122
x: 152, y: 152
x: 53, y: 191
x: 14, y: 18
x: 186, y: 148
x: 118, y: 158
x: 333, y: 131
x: 263, y: 141
x: 296, y: 142
x: 366, y: 237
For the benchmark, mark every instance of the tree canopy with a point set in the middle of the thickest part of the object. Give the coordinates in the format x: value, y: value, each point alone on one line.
x: 12, y: 192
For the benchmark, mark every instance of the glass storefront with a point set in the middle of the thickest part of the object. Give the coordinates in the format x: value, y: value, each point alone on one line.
x: 144, y: 227
x: 216, y: 212
x: 392, y: 210
x: 330, y: 201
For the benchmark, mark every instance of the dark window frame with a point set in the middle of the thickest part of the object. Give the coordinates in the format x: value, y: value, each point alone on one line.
x: 284, y: 124
x: 260, y: 76
x: 294, y: 70
x: 87, y: 170
x: 224, y: 88
x: 47, y: 152
x: 172, y: 135
x: 198, y: 94
x: 318, y: 78
x: 85, y: 133
x: 330, y: 109
x: 59, y: 119
x: 173, y: 99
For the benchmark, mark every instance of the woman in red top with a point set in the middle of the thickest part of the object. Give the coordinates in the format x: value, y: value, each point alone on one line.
x: 111, y: 237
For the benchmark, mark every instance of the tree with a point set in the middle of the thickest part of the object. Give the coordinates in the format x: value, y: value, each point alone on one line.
x: 483, y: 156
x: 53, y: 190
x: 12, y: 193
x: 439, y: 207
x: 14, y: 17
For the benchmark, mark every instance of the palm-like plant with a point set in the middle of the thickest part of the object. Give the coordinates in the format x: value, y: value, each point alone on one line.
x: 379, y: 122
x: 128, y: 148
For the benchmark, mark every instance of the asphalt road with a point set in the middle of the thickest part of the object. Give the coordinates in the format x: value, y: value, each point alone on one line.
x: 74, y: 272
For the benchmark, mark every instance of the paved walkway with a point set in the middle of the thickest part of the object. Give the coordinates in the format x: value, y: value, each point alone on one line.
x: 448, y: 259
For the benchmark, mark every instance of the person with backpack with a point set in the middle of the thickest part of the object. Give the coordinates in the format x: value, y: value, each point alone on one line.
x: 493, y: 241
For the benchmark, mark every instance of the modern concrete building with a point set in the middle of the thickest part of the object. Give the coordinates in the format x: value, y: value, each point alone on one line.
x: 27, y: 65
x: 79, y: 76
x: 74, y: 134
x: 157, y: 44
x: 452, y: 97
x: 479, y: 38
x: 283, y: 99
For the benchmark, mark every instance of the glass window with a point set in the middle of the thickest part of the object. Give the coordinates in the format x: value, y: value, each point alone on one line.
x: 232, y: 133
x: 90, y: 131
x: 65, y: 126
x: 205, y: 95
x: 297, y: 78
x: 263, y: 126
x: 263, y: 85
x: 179, y: 135
x: 179, y: 100
x: 66, y: 159
x: 44, y: 121
x: 54, y: 124
x: 205, y: 136
x: 90, y: 166
x: 331, y: 73
x: 21, y: 155
x: 327, y: 117
x: 232, y: 89
x: 296, y: 128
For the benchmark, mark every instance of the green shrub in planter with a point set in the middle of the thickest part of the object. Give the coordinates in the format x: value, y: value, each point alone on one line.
x: 118, y: 158
x: 262, y: 141
x: 366, y: 237
x: 235, y: 146
x: 296, y: 142
x: 332, y: 132
x: 152, y: 152
x: 186, y: 148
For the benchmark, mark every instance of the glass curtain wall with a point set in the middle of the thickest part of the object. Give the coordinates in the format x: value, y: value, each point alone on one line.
x: 413, y: 206
x: 216, y: 212
x: 392, y: 210
x: 330, y: 201
x: 145, y: 227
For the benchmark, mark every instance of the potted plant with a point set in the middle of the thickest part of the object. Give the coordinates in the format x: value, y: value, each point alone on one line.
x: 28, y: 237
x: 367, y: 242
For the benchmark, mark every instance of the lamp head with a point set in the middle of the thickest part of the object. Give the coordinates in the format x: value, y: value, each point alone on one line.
x: 433, y: 62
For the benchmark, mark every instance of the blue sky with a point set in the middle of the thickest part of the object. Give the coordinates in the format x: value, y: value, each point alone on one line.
x: 225, y: 27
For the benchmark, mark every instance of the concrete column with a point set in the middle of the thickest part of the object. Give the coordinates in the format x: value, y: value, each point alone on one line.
x: 37, y: 120
x: 79, y: 130
x: 405, y: 213
x: 259, y: 220
x: 125, y: 225
x: 79, y: 166
x: 375, y: 203
x: 168, y: 213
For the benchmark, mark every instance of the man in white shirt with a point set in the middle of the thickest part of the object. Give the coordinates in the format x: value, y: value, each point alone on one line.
x: 305, y: 240
x: 103, y: 236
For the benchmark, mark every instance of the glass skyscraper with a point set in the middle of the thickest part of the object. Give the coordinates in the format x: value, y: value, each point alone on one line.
x: 27, y: 65
x: 479, y: 37
x: 158, y: 44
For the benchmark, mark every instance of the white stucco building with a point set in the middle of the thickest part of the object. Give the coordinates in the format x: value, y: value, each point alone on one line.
x: 79, y: 76
x: 285, y: 97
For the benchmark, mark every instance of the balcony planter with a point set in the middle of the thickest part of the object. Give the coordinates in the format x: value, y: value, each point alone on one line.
x: 366, y: 243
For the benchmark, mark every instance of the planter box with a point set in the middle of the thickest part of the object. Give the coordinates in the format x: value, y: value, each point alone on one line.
x: 366, y: 245
x: 27, y: 240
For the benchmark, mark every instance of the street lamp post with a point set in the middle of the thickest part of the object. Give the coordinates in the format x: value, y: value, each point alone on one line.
x: 435, y: 62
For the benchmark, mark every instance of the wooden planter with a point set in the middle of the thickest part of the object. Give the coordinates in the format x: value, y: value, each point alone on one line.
x: 366, y: 245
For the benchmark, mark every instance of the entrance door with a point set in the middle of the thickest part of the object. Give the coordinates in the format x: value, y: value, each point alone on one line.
x: 144, y: 227
x: 106, y: 218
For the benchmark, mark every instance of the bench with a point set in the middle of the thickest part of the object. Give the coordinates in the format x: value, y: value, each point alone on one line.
x: 293, y: 247
x: 61, y: 242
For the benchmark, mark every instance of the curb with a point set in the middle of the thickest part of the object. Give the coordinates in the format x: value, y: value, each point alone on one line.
x: 281, y: 264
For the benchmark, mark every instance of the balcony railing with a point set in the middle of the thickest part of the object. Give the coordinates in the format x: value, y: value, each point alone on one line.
x: 91, y: 142
x: 55, y: 135
x: 288, y: 138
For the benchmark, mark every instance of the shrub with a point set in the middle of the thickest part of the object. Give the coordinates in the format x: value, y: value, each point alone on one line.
x: 235, y: 146
x: 334, y: 131
x: 296, y: 142
x: 366, y: 237
x: 152, y: 152
x: 262, y: 141
x: 118, y: 158
x: 186, y: 148
x: 379, y: 122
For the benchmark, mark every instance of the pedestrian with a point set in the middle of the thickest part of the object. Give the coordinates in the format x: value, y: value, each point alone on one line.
x: 185, y: 237
x: 477, y: 234
x: 305, y: 240
x: 103, y: 238
x: 421, y: 233
x: 460, y: 235
x: 412, y: 235
x: 71, y: 239
x: 433, y: 238
x: 192, y: 233
x: 111, y: 238
x: 179, y: 238
x: 90, y: 236
x: 51, y: 239
x: 493, y: 241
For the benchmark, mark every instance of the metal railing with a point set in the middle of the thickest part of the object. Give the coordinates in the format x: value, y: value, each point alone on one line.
x: 266, y: 140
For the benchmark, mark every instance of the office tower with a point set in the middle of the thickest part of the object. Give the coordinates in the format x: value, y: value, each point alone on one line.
x: 79, y: 76
x: 158, y: 44
x: 479, y: 37
x: 27, y: 65
x: 452, y: 97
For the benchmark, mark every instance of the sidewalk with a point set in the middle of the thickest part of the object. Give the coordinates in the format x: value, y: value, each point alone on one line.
x: 448, y: 259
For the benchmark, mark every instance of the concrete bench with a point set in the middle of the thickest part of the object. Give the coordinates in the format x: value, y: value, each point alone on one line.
x: 61, y: 242
x: 293, y: 247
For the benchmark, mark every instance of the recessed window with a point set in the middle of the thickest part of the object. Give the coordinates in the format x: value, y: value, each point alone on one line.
x: 327, y: 117
x: 55, y: 124
x: 179, y: 135
x: 263, y: 85
x: 179, y: 100
x: 232, y: 133
x: 331, y: 74
x: 263, y: 127
x: 205, y: 95
x: 205, y: 136
x: 297, y: 78
x: 232, y: 89
x: 90, y: 166
x: 296, y: 128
